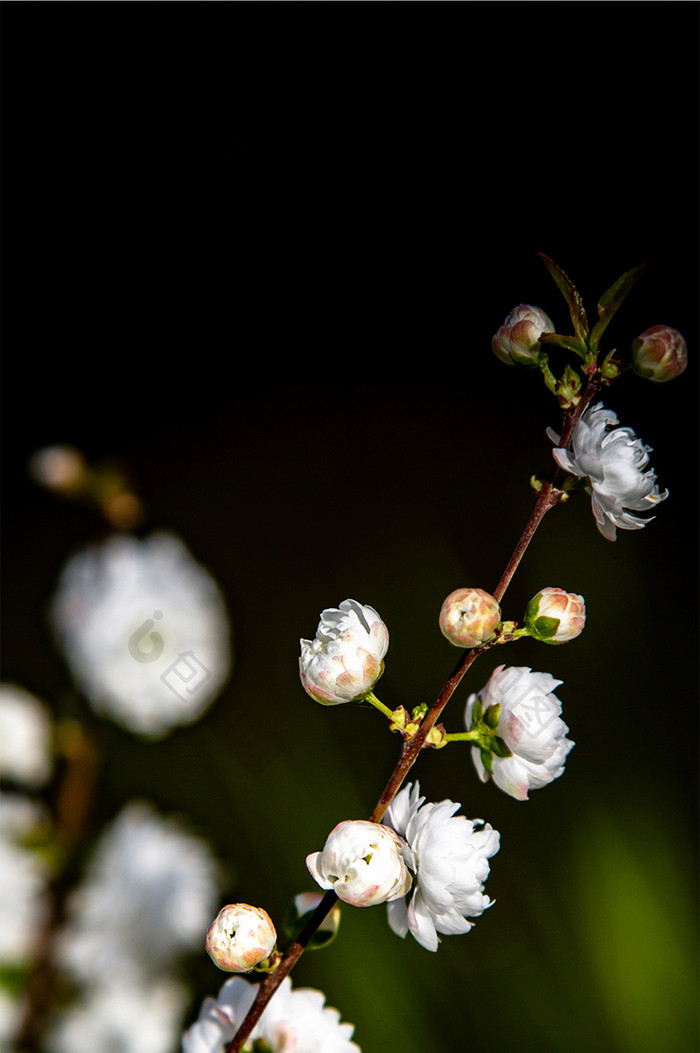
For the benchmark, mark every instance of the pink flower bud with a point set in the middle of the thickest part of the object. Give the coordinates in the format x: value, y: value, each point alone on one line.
x: 518, y: 339
x: 555, y: 616
x: 240, y: 937
x: 659, y: 354
x: 469, y: 617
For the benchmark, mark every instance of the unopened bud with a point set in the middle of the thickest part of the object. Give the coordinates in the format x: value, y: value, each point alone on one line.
x: 240, y: 937
x: 469, y: 617
x: 518, y: 339
x: 363, y: 863
x: 659, y: 354
x: 555, y: 616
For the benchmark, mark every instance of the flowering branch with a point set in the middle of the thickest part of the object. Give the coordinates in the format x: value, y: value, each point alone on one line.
x: 365, y: 862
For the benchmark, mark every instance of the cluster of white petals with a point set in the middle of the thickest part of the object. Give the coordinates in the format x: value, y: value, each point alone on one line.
x: 147, y: 898
x: 346, y: 658
x: 25, y: 737
x: 449, y: 856
x: 530, y: 724
x: 124, y: 1016
x: 615, y: 463
x: 362, y: 862
x: 297, y: 1021
x: 145, y: 631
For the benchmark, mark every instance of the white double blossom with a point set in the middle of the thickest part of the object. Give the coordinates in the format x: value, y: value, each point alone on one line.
x: 530, y: 724
x: 297, y: 1020
x: 25, y: 737
x: 346, y: 658
x: 615, y: 463
x: 122, y: 1015
x: 362, y: 862
x: 145, y: 631
x: 148, y: 897
x: 449, y: 856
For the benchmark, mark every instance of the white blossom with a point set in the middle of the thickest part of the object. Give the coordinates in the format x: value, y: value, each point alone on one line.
x: 294, y: 1020
x: 25, y: 737
x: 122, y: 1017
x: 529, y: 723
x: 449, y: 855
x: 147, y: 897
x: 346, y: 658
x: 362, y: 862
x: 240, y: 937
x: 614, y: 461
x: 145, y: 631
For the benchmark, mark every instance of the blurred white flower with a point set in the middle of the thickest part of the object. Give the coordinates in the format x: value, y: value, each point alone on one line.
x: 123, y: 1018
x: 615, y: 463
x: 530, y: 724
x: 362, y: 862
x: 24, y: 878
x: 293, y: 1020
x: 449, y: 855
x: 145, y: 631
x: 345, y: 659
x: 25, y: 737
x: 147, y: 897
x: 240, y: 937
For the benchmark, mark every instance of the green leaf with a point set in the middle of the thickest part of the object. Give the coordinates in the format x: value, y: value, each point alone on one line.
x: 571, y: 295
x: 611, y: 300
x: 571, y: 343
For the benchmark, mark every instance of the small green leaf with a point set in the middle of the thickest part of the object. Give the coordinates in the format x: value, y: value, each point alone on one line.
x: 571, y: 295
x: 611, y: 300
x: 571, y: 343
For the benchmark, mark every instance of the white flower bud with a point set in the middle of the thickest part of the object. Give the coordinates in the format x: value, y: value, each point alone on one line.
x: 659, y: 354
x: 240, y: 937
x: 555, y: 616
x: 469, y: 617
x: 363, y: 863
x: 518, y: 339
x: 345, y: 660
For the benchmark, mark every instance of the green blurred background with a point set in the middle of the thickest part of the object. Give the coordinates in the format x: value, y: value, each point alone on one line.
x: 256, y: 254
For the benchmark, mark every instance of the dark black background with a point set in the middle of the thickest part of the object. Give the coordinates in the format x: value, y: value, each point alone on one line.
x: 257, y: 252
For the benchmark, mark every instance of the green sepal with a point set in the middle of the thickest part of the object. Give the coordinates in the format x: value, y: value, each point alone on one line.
x: 571, y: 343
x: 543, y: 628
x: 499, y: 747
x: 487, y: 761
x: 532, y: 609
x: 491, y: 716
x: 571, y: 295
x: 610, y: 301
x: 477, y: 712
x: 261, y: 1046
